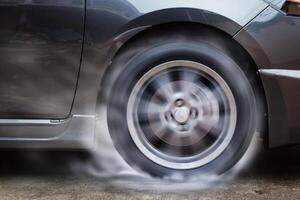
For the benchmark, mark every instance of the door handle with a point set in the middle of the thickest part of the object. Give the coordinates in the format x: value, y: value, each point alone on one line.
x: 291, y: 7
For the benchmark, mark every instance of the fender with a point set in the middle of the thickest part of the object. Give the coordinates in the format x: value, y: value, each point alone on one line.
x: 109, y: 26
x: 227, y: 15
x: 279, y: 67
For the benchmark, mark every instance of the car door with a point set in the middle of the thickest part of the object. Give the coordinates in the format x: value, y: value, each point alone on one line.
x: 40, y: 53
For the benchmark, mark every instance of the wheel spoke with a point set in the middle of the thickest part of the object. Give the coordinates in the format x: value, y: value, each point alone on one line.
x: 183, y: 113
x: 149, y: 103
x: 189, y: 76
x: 152, y: 92
x: 158, y: 140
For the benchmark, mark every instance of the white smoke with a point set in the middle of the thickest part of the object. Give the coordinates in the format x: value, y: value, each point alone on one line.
x: 106, y: 164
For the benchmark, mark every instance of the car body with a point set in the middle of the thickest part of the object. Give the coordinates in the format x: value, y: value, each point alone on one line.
x: 55, y: 54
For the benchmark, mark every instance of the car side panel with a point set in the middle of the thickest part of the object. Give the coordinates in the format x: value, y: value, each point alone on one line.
x: 109, y: 25
x: 40, y: 51
x: 273, y: 41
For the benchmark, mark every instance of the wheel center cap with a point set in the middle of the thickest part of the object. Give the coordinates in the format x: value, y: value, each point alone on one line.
x: 181, y: 114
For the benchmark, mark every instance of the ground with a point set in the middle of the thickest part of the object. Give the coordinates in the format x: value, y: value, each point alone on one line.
x: 272, y: 174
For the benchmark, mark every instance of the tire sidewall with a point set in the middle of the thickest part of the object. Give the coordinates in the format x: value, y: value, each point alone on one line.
x: 205, y: 54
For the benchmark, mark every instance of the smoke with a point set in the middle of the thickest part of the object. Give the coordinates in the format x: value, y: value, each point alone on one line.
x: 107, y: 165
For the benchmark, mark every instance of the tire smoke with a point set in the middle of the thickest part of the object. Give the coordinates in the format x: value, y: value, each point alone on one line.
x: 107, y: 165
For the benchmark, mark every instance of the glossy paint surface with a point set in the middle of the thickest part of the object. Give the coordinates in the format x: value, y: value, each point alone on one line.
x: 40, y: 51
x: 275, y: 48
x: 110, y: 24
x: 41, y: 45
x: 40, y: 54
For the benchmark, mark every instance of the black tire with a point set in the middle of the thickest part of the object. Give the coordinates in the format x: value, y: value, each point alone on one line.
x: 137, y: 59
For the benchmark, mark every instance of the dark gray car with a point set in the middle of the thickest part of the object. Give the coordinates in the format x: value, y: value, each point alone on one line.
x: 180, y: 85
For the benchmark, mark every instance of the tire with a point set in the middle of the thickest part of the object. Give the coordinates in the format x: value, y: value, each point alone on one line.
x: 202, y: 128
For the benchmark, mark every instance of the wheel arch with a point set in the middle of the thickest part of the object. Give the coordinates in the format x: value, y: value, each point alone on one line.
x: 189, y: 20
x: 180, y: 16
x: 226, y: 41
x: 193, y: 15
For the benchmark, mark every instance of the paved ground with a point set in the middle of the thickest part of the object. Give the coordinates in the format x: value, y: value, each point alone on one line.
x: 51, y: 175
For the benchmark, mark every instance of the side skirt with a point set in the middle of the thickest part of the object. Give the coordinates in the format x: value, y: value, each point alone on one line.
x: 76, y: 132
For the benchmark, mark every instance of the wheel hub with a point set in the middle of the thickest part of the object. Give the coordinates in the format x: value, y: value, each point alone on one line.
x: 181, y: 114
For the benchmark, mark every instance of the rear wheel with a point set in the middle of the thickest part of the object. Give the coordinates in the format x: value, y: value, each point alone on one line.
x: 181, y: 107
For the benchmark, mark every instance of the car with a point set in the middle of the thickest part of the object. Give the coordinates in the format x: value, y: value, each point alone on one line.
x: 182, y: 86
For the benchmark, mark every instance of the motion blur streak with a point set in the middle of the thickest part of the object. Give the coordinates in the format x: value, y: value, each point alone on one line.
x: 106, y: 163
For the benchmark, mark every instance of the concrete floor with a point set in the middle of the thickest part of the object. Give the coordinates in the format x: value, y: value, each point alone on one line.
x: 272, y: 174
